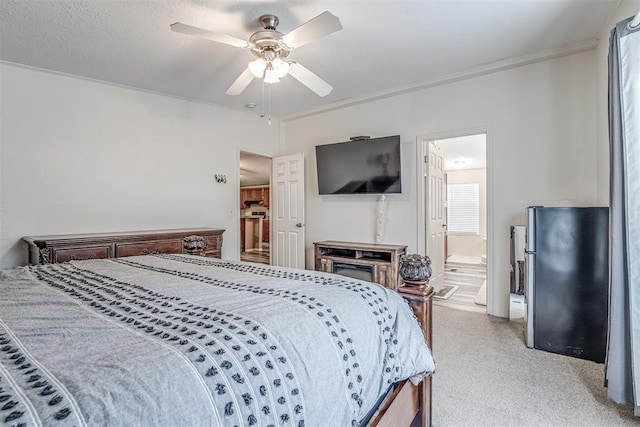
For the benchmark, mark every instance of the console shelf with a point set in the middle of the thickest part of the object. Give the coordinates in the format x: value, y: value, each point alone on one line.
x: 376, y: 263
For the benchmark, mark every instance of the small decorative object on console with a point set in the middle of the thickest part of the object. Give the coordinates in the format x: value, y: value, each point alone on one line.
x: 415, y: 269
x: 194, y: 244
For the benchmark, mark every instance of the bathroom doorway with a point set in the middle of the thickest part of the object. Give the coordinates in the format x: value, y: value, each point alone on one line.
x: 462, y: 258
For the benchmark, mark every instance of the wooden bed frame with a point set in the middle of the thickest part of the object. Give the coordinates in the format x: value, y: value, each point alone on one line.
x: 410, y: 405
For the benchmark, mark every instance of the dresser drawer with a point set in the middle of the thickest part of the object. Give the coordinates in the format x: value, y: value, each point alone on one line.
x: 73, y: 254
x: 214, y: 243
x: 214, y: 246
x: 173, y: 246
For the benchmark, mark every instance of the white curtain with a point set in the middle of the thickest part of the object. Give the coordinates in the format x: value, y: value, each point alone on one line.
x: 623, y: 348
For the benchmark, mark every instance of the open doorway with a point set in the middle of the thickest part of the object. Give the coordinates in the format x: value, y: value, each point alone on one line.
x: 255, y: 192
x: 463, y: 261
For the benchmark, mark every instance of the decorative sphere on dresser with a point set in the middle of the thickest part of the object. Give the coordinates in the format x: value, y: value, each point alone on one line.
x: 415, y: 269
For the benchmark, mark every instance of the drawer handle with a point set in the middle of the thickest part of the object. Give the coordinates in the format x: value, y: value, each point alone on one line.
x: 148, y: 252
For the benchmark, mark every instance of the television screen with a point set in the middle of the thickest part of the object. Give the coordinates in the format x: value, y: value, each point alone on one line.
x: 366, y: 166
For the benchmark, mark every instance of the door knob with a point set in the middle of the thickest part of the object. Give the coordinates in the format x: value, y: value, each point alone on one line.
x: 299, y: 225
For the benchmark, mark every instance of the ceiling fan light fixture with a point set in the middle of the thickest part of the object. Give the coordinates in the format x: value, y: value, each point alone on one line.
x: 280, y: 67
x: 271, y: 76
x: 257, y: 67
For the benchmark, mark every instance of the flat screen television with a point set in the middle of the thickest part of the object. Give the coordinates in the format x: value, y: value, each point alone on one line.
x: 364, y: 166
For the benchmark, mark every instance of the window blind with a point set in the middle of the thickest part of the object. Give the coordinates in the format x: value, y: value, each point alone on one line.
x: 463, y: 208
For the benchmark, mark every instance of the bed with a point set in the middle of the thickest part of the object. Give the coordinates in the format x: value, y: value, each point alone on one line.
x: 174, y: 339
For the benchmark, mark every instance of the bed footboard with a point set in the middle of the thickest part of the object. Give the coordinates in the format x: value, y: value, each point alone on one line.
x: 410, y: 405
x: 420, y: 299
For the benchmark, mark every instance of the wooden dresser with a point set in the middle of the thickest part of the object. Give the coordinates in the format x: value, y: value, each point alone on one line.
x: 62, y: 248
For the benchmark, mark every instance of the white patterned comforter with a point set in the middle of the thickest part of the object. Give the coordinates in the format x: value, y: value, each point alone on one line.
x: 177, y: 340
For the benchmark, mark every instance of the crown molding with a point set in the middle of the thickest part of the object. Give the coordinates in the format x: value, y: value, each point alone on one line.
x: 482, y: 70
x: 123, y: 86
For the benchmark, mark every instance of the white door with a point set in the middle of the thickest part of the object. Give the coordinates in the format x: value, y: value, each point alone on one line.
x: 436, y: 226
x: 287, y: 211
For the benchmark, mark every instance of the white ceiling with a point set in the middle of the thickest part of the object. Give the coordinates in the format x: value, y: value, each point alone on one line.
x: 384, y: 46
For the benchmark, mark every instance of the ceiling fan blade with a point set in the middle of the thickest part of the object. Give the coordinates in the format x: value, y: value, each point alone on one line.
x: 320, y: 26
x: 241, y: 83
x: 209, y: 35
x: 310, y: 80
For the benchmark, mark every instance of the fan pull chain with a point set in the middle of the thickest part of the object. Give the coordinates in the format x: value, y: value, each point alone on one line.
x: 263, y: 108
x: 269, y: 108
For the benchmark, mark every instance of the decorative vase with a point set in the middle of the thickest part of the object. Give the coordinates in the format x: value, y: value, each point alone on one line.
x: 194, y: 244
x: 415, y: 269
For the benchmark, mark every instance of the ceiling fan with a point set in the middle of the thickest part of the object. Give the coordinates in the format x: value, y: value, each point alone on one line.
x: 272, y: 48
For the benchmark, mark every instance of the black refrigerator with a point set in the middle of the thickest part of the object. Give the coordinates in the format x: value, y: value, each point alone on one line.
x: 567, y: 280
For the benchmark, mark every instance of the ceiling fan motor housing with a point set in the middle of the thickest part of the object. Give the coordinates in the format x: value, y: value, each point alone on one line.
x: 269, y: 22
x: 268, y: 39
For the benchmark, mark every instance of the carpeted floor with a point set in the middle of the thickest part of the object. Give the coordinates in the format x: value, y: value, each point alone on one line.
x: 486, y: 376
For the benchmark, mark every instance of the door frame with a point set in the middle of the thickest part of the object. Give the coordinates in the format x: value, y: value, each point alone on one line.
x: 421, y: 151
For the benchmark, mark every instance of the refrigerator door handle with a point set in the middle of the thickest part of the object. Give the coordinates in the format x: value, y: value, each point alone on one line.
x: 529, y: 293
x: 530, y: 240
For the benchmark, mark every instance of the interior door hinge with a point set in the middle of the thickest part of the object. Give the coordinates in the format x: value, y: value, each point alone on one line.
x: 426, y: 159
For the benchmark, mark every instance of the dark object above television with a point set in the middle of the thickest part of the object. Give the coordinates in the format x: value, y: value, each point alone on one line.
x: 363, y: 166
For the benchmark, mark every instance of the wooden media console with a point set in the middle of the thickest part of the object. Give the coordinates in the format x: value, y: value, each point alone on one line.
x: 366, y: 261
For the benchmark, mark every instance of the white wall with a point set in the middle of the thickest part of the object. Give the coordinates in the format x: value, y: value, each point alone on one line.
x: 470, y: 244
x: 542, y: 147
x: 82, y: 156
x: 626, y: 9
